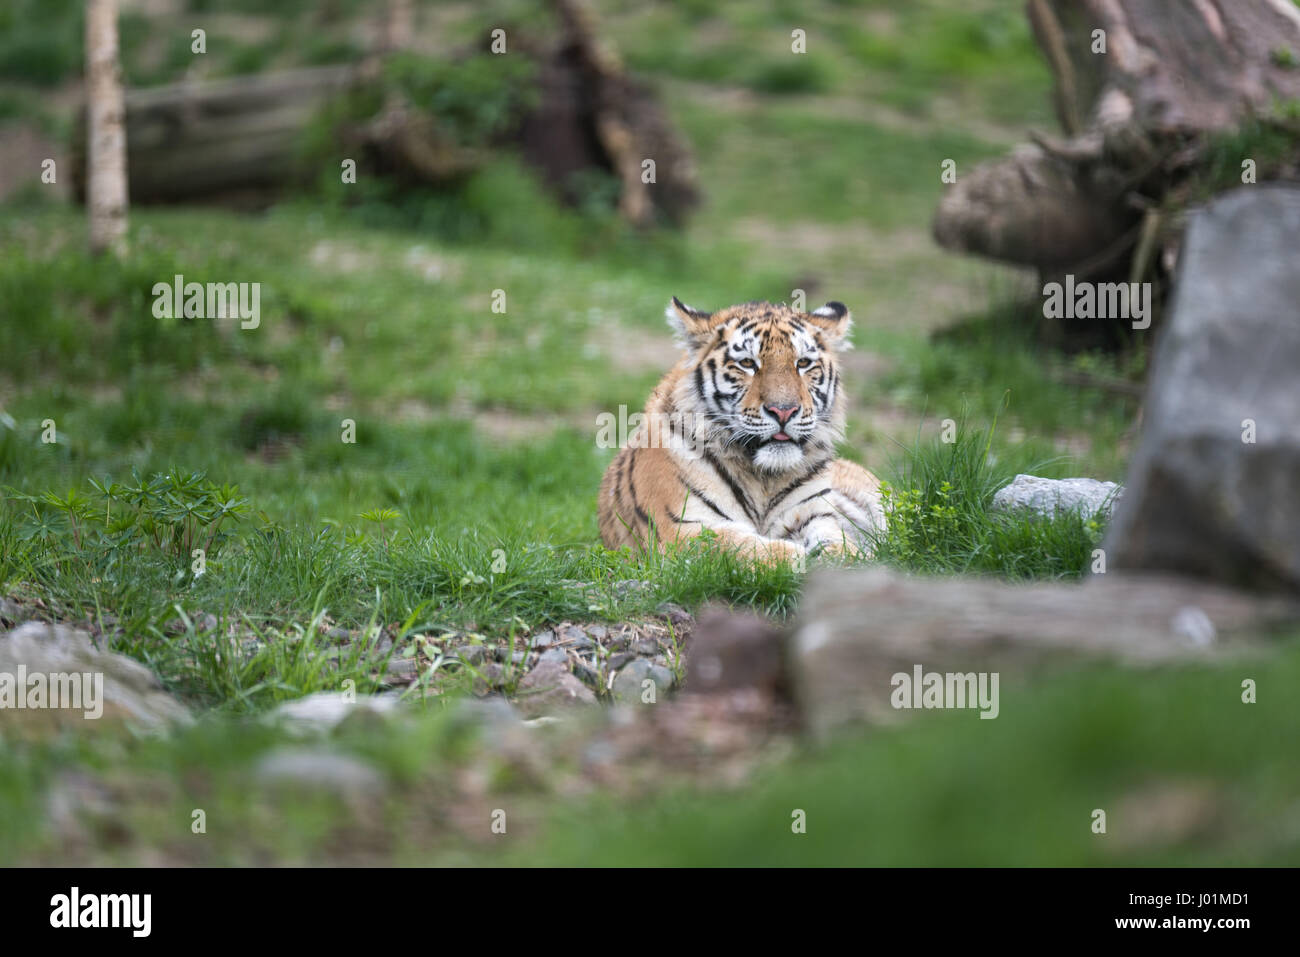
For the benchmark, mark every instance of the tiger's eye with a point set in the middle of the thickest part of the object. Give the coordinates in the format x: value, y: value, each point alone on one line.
x: 804, y: 363
x: 748, y: 364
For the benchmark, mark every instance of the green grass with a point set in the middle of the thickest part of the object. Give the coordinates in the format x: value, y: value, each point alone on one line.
x: 939, y: 517
x: 394, y: 331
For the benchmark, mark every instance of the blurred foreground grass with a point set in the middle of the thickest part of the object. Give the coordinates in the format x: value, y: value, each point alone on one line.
x: 1186, y: 773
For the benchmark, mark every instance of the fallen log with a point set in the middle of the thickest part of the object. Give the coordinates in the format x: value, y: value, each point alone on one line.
x: 195, y: 142
x: 242, y: 140
x: 1142, y: 90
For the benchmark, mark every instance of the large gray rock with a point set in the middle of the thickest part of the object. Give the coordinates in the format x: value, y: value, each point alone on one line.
x: 1198, y: 498
x: 122, y: 689
x: 859, y: 628
x: 1047, y: 497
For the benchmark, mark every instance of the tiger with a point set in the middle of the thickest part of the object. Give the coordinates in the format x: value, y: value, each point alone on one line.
x: 737, y: 442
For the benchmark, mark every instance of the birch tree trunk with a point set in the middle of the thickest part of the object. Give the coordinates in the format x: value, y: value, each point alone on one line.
x: 106, y: 198
x: 398, y: 26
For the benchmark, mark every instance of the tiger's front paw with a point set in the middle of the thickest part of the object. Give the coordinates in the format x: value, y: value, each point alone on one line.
x: 781, y: 552
x: 840, y: 546
x: 842, y: 549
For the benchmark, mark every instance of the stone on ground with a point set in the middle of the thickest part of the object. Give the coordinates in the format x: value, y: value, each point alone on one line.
x: 859, y: 628
x: 549, y: 688
x: 131, y: 692
x: 325, y: 710
x: 1214, y: 485
x: 1047, y: 497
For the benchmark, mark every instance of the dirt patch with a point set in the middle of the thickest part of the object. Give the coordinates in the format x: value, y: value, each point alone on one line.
x: 945, y: 111
x: 635, y: 350
x: 824, y: 238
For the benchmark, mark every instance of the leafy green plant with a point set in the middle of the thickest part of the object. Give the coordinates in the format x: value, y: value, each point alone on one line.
x: 939, y: 520
x: 381, y: 516
x: 173, y: 513
x: 475, y: 99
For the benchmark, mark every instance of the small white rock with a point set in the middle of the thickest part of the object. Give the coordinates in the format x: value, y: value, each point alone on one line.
x: 1049, y: 496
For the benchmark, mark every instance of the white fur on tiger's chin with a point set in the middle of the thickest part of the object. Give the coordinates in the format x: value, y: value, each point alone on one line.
x: 778, y: 456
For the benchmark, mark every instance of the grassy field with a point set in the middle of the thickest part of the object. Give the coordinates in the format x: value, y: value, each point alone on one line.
x: 468, y: 498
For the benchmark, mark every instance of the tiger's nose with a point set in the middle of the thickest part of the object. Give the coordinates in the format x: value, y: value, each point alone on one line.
x: 783, y: 412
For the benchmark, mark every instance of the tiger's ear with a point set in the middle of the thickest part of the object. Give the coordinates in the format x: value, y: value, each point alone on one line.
x: 835, y: 320
x: 691, y: 327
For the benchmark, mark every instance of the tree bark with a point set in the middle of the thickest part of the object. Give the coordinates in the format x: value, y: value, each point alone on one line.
x: 398, y: 26
x: 223, y: 140
x: 106, y: 134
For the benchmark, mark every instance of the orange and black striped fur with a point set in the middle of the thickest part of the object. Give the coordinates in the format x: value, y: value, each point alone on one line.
x: 739, y: 439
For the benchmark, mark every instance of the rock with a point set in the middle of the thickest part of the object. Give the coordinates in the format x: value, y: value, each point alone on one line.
x: 490, y: 676
x: 81, y: 807
x: 675, y: 613
x: 471, y: 654
x: 206, y: 622
x: 554, y: 656
x: 550, y: 687
x: 318, y: 769
x: 11, y: 613
x: 858, y: 628
x: 1212, y: 485
x: 629, y: 685
x: 339, y: 634
x: 493, y: 713
x: 324, y: 710
x: 575, y: 638
x: 645, y: 646
x: 544, y: 639
x: 545, y: 721
x: 1048, y: 497
x: 586, y: 672
x: 736, y: 651
x: 598, y: 632
x: 631, y: 586
x: 402, y: 667
x: 121, y: 689
x: 619, y: 660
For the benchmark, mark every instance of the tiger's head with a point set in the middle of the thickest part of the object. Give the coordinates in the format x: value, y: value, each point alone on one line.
x: 764, y: 378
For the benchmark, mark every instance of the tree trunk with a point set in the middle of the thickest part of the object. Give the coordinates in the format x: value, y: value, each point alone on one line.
x: 105, y: 134
x: 1142, y: 87
x: 398, y: 26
